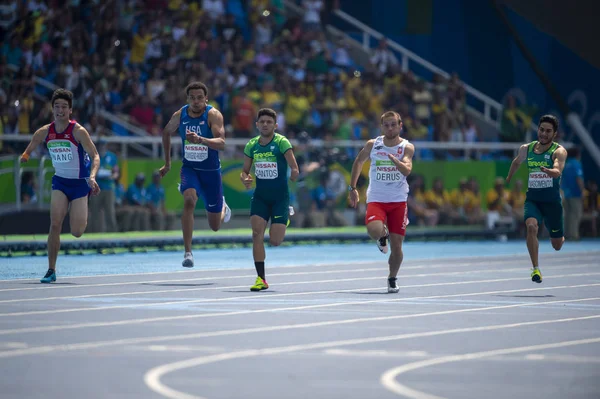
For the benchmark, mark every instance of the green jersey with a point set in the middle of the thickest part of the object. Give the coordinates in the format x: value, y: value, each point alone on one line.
x: 540, y: 186
x: 270, y: 166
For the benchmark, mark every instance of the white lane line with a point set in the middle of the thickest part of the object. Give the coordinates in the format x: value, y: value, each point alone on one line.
x: 245, y: 312
x: 267, y: 296
x: 434, y: 263
x: 388, y: 379
x: 152, y: 378
x: 348, y: 271
x: 221, y: 333
x: 373, y: 353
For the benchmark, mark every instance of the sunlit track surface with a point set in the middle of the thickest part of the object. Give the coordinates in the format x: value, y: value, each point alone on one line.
x: 467, y: 323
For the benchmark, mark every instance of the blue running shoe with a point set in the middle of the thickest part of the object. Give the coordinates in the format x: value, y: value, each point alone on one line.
x: 49, y: 277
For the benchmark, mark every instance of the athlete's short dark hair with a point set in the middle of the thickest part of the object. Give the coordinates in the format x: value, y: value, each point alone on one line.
x: 267, y: 112
x: 390, y: 114
x: 196, y: 86
x: 62, y: 94
x: 551, y: 119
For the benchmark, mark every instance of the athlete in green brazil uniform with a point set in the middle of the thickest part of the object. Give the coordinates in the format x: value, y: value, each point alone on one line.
x: 545, y: 162
x: 272, y: 154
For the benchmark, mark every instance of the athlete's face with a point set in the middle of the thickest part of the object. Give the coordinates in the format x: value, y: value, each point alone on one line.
x: 197, y: 100
x: 546, y: 133
x: 391, y: 127
x: 266, y: 125
x: 61, y: 110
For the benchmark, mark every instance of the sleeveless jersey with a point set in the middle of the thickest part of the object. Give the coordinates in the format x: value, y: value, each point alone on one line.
x: 540, y: 186
x: 197, y: 156
x: 69, y: 159
x: 270, y: 166
x: 386, y: 183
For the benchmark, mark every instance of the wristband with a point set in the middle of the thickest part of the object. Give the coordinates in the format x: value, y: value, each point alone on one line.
x: 25, y: 155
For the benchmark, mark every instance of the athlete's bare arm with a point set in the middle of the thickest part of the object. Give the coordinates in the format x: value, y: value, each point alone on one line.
x: 404, y: 165
x: 84, y: 138
x: 215, y: 121
x: 361, y: 158
x: 560, y: 157
x: 519, y: 159
x: 291, y: 161
x: 38, y: 137
x: 167, y: 132
x: 245, y: 176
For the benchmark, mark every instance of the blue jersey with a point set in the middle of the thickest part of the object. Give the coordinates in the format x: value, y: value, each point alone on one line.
x: 197, y: 156
x: 572, y: 171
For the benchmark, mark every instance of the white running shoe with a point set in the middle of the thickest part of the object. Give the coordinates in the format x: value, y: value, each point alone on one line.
x: 393, y: 286
x: 188, y: 260
x: 292, y: 212
x: 227, y: 212
x: 382, y: 242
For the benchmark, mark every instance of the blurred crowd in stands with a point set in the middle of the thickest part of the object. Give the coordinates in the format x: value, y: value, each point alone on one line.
x: 133, y: 58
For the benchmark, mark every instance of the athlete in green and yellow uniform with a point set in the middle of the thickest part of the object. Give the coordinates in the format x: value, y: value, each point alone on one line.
x: 272, y: 154
x: 545, y: 162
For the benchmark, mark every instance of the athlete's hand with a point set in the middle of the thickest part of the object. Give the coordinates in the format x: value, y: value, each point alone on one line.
x: 193, y: 137
x: 24, y: 158
x: 247, y: 181
x: 354, y: 198
x: 94, y: 186
x: 545, y: 169
x: 507, y: 180
x: 164, y: 170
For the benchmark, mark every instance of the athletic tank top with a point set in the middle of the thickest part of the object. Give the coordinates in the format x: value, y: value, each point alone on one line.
x: 197, y: 156
x: 386, y: 183
x: 540, y: 186
x: 68, y: 156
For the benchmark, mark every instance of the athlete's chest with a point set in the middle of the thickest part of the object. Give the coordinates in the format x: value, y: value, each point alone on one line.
x: 198, y: 126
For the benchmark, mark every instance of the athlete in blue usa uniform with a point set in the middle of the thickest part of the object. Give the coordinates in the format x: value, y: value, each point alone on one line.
x: 76, y: 162
x: 200, y: 127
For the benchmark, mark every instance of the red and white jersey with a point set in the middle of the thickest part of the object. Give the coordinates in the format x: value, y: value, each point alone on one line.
x: 386, y: 183
x: 68, y: 156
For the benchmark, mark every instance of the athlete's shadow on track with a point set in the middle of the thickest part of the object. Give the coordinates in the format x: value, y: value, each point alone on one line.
x: 35, y: 283
x: 367, y: 293
x: 262, y: 292
x: 179, y: 285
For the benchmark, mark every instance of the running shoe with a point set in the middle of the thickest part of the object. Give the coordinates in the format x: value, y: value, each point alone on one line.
x: 392, y: 285
x: 227, y: 212
x: 188, y: 260
x: 536, y: 275
x: 382, y: 242
x: 49, y: 277
x: 259, y: 285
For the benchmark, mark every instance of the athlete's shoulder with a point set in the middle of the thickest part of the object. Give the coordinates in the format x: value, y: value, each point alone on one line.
x: 253, y: 141
x: 44, y: 129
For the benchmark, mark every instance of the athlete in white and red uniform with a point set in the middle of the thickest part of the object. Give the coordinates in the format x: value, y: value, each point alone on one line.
x: 387, y: 215
x: 71, y: 149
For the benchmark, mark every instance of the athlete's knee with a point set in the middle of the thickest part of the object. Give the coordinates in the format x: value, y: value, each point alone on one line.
x: 557, y: 243
x: 189, y: 200
x: 77, y: 232
x: 275, y: 241
x: 257, y: 234
x: 532, y: 226
x: 214, y: 226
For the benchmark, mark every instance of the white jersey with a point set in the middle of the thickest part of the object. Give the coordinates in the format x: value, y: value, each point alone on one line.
x: 386, y: 183
x: 69, y: 159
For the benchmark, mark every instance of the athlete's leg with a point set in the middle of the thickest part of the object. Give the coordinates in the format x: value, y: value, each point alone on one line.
x: 212, y: 187
x: 553, y: 218
x: 532, y: 240
x: 397, y: 255
x: 187, y: 217
x: 280, y: 215
x: 259, y: 225
x: 78, y: 214
x: 59, y: 205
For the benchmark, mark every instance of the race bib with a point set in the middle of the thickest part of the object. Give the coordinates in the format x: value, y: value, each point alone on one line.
x: 60, y: 152
x: 195, y: 152
x: 387, y: 172
x: 539, y: 180
x: 266, y: 170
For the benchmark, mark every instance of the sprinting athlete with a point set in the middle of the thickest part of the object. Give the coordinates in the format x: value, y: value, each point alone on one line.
x: 387, y: 194
x: 70, y: 148
x: 271, y: 154
x: 200, y: 127
x: 545, y: 162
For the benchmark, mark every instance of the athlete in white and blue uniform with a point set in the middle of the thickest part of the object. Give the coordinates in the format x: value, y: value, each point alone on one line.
x: 200, y: 127
x: 76, y: 162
